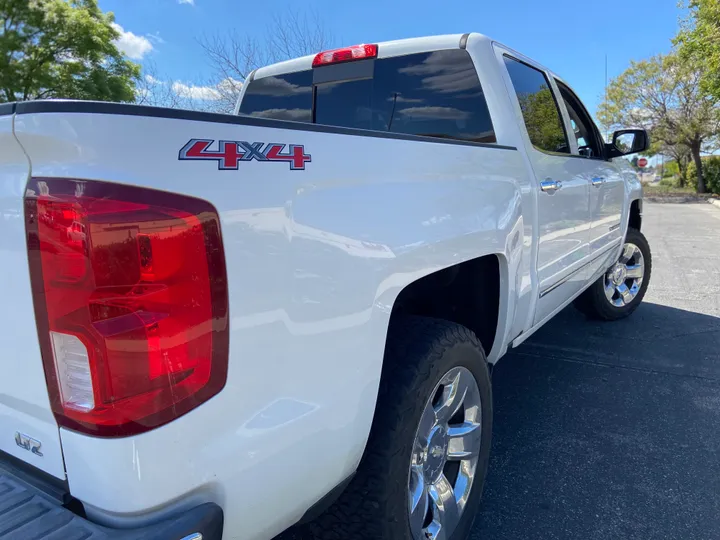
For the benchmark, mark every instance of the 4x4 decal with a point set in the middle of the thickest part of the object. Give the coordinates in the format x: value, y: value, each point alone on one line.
x: 229, y: 154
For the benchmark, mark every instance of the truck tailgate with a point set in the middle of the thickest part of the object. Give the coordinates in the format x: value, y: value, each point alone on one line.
x: 28, y: 430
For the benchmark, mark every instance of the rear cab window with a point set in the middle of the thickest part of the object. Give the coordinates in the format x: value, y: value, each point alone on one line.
x: 283, y: 97
x: 433, y: 94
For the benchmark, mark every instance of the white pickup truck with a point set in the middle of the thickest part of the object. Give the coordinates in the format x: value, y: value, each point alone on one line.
x: 224, y: 325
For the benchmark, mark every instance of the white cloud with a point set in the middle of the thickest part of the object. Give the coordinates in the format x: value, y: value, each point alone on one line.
x: 444, y: 72
x: 285, y: 114
x: 225, y: 88
x: 400, y: 99
x: 155, y: 38
x: 152, y: 80
x: 277, y: 87
x: 191, y: 2
x: 435, y: 113
x: 133, y: 46
x: 229, y: 85
x: 204, y: 93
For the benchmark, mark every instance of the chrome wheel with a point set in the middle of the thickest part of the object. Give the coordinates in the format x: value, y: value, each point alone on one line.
x: 624, y: 279
x: 445, y: 455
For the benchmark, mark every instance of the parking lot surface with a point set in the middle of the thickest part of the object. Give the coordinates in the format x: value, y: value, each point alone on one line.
x: 612, y: 430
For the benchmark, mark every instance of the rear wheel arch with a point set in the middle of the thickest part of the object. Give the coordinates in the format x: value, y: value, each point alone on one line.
x: 433, y: 296
x: 471, y: 294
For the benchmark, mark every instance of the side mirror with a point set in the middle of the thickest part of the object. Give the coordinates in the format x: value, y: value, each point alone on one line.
x: 628, y: 141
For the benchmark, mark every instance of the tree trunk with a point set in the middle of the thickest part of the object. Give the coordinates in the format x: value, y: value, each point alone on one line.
x: 695, y: 149
x: 682, y: 168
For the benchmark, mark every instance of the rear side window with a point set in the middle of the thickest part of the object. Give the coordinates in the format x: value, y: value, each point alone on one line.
x: 539, y: 108
x: 434, y: 94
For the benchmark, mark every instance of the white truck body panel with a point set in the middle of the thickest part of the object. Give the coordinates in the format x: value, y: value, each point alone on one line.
x: 24, y: 403
x: 315, y: 260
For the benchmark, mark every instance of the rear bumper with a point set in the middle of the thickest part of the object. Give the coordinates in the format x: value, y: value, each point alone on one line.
x: 32, y: 508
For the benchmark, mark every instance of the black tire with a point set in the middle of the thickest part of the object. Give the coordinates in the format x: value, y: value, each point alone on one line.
x: 594, y: 304
x: 418, y: 353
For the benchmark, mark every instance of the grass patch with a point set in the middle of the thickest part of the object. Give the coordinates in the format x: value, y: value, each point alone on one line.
x: 655, y: 190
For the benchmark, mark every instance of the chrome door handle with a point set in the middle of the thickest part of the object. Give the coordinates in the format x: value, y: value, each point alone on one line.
x: 550, y: 186
x: 599, y: 181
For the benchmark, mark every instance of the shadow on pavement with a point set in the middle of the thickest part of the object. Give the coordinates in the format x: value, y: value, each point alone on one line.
x: 608, y: 430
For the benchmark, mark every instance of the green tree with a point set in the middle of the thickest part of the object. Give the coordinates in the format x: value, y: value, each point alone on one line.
x: 663, y: 95
x: 61, y: 49
x: 699, y: 41
x: 680, y: 155
x: 671, y: 169
x: 711, y: 168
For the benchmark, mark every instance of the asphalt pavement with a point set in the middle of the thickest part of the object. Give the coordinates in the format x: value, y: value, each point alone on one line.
x: 612, y: 430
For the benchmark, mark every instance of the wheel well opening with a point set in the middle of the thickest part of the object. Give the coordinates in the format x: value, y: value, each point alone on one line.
x: 635, y: 220
x: 467, y: 294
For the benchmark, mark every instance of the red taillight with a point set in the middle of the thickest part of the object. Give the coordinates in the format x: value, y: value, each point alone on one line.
x: 131, y: 303
x: 346, y: 54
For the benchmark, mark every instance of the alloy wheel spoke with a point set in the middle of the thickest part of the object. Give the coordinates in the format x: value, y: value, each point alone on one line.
x: 628, y: 252
x: 625, y: 293
x: 635, y: 271
x: 427, y: 422
x: 445, y: 509
x: 453, y: 395
x: 609, y: 289
x: 464, y: 441
x: 419, y: 500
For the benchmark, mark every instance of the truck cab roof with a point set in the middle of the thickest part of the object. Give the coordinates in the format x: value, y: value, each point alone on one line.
x: 386, y: 49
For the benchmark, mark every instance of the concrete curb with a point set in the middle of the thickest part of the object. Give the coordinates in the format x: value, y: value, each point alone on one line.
x: 715, y: 202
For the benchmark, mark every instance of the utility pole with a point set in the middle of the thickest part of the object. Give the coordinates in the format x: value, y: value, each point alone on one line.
x: 607, y: 128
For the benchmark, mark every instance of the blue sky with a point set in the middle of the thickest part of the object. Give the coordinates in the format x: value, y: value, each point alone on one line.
x: 571, y: 38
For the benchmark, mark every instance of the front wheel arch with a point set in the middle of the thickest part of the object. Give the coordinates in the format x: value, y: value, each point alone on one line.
x: 635, y: 216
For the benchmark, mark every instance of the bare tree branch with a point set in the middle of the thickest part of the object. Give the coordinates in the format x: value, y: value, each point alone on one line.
x: 156, y: 91
x: 234, y: 56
